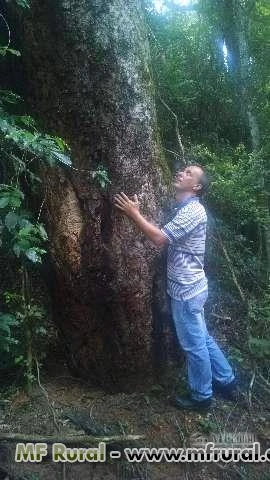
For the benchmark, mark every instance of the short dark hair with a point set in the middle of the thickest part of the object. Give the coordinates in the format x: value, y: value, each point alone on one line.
x: 204, y: 179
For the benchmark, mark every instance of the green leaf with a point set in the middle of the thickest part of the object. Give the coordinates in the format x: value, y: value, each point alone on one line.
x: 23, y: 3
x: 5, y: 50
x: 6, y: 96
x: 24, y: 244
x: 11, y: 196
x: 41, y: 330
x: 24, y: 222
x: 4, y: 201
x: 26, y: 230
x: 42, y: 232
x: 62, y: 158
x: 19, y: 360
x: 26, y: 120
x: 11, y: 220
x: 6, y: 321
x: 34, y: 254
x: 5, y: 328
x: 8, y: 318
x: 61, y: 144
x: 14, y: 201
x: 16, y: 249
x: 14, y: 52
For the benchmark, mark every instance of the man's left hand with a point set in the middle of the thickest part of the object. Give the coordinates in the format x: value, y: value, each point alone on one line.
x: 128, y: 206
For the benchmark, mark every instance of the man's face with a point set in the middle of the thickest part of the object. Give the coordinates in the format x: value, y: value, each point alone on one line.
x: 188, y: 180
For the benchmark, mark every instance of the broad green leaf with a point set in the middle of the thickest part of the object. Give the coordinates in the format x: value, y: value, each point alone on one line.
x: 11, y: 220
x: 14, y: 201
x: 24, y: 244
x: 34, y: 254
x: 4, y: 201
x: 26, y: 230
x: 61, y: 144
x: 23, y: 222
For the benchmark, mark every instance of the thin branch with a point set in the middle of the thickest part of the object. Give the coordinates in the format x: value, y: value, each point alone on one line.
x: 7, y: 25
x: 47, y: 398
x: 66, y: 439
x: 3, y: 185
x: 174, y: 153
x: 178, y: 136
x: 180, y: 431
x: 220, y: 316
x: 40, y: 210
x: 156, y: 40
x: 250, y: 388
x: 231, y: 267
x: 266, y: 387
x: 260, y: 287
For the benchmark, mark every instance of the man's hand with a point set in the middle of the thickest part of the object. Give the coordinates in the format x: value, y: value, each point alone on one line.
x: 131, y: 209
x: 128, y: 207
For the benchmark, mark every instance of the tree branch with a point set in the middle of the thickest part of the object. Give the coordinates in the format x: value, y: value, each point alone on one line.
x: 242, y: 295
x: 66, y: 439
x: 178, y: 136
x: 7, y: 25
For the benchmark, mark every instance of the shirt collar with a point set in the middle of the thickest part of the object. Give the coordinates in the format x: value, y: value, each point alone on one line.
x: 183, y: 203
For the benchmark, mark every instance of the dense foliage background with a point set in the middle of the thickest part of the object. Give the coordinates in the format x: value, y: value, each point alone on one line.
x: 210, y: 63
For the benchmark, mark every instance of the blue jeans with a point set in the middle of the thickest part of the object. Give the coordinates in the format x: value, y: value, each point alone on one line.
x: 205, y: 360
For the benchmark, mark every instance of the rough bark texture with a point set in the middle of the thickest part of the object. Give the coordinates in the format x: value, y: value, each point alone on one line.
x: 87, y: 73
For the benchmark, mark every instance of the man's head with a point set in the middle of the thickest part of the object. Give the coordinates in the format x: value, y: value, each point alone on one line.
x: 192, y: 179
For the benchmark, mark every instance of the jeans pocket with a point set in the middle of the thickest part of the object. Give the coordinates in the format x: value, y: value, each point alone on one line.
x: 196, y: 304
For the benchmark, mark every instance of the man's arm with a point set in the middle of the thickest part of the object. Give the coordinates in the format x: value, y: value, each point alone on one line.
x: 131, y: 209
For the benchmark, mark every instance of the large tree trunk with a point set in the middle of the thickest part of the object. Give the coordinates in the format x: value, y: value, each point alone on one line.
x: 87, y: 73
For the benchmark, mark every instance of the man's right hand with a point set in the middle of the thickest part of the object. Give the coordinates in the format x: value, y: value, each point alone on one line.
x: 126, y: 205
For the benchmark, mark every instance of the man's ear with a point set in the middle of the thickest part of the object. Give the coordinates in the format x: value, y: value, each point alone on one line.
x: 197, y: 187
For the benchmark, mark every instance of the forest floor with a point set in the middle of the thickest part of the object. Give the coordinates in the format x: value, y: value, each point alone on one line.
x: 62, y: 405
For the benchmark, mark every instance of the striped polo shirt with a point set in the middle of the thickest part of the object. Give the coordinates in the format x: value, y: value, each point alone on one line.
x: 186, y: 233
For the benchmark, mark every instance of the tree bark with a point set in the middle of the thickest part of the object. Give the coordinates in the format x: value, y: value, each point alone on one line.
x: 87, y: 74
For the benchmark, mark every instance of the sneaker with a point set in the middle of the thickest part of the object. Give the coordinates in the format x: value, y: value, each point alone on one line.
x: 229, y: 391
x: 188, y: 403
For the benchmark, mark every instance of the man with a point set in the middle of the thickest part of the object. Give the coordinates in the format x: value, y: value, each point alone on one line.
x: 187, y: 286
